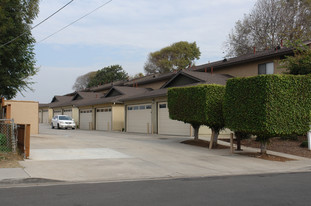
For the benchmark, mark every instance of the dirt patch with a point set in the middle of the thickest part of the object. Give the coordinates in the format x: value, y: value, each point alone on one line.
x: 10, y: 160
x: 266, y: 156
x: 279, y: 145
x: 203, y: 143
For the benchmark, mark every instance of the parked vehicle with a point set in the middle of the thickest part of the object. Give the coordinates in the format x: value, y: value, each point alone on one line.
x: 63, y: 121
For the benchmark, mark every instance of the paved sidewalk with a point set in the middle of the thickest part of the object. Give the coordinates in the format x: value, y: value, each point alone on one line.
x: 12, y: 173
x: 97, y: 156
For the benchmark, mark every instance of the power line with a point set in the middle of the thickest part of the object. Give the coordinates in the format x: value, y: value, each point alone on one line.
x: 75, y: 21
x: 37, y: 24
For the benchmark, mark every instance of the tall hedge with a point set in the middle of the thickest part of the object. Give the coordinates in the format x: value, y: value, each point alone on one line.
x: 197, y: 105
x: 268, y: 105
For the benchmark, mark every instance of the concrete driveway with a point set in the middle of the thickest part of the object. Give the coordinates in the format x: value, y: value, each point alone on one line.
x: 79, y: 155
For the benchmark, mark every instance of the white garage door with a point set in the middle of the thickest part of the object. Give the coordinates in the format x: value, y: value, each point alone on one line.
x: 103, y: 118
x: 45, y: 116
x: 57, y: 112
x: 86, y: 119
x: 139, y: 118
x: 40, y: 116
x: 169, y: 126
x: 68, y: 112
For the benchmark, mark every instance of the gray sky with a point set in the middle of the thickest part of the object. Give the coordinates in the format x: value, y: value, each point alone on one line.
x: 123, y: 32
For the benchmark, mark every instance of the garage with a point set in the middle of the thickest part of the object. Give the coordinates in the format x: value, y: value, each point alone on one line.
x: 103, y: 118
x: 57, y: 112
x: 86, y: 119
x: 40, y: 116
x: 138, y: 118
x: 67, y: 112
x: 168, y: 126
x: 45, y: 116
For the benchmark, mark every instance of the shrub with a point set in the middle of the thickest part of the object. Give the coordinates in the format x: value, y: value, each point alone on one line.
x: 198, y: 105
x: 268, y: 105
x: 304, y: 144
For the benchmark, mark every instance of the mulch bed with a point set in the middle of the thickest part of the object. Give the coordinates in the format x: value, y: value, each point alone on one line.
x: 203, y: 143
x: 9, y: 160
x: 278, y: 145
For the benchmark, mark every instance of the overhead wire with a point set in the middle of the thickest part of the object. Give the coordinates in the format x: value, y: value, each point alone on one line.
x: 37, y: 24
x: 102, y: 5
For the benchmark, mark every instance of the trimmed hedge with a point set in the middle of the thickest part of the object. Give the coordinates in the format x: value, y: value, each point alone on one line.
x: 197, y: 105
x: 268, y: 105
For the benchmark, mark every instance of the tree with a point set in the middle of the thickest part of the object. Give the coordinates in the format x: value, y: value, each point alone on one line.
x: 270, y: 22
x: 198, y: 105
x: 268, y: 106
x: 107, y: 75
x: 300, y: 63
x: 17, y: 58
x: 83, y: 81
x: 175, y: 57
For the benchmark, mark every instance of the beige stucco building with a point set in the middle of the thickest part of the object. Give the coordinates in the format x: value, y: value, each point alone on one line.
x: 23, y: 112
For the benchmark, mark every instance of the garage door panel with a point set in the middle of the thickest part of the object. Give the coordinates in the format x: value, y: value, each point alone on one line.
x: 86, y: 119
x: 45, y: 116
x: 68, y: 112
x: 169, y: 126
x: 139, y: 118
x: 103, y: 118
x: 57, y: 112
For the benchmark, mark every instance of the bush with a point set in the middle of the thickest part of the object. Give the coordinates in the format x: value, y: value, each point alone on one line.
x: 197, y: 105
x: 304, y: 144
x: 292, y: 137
x: 268, y: 105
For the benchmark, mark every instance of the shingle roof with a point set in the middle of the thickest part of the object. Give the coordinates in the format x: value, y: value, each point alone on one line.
x: 126, y: 92
x: 147, y: 95
x: 149, y: 79
x: 86, y: 95
x: 244, y: 59
x: 106, y: 86
x: 44, y: 105
x: 204, y: 78
x: 60, y: 101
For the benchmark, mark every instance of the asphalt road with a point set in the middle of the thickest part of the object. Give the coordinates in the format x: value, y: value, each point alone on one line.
x: 269, y: 189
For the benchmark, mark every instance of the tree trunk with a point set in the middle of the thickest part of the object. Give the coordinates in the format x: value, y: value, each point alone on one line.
x: 263, y: 147
x: 196, y: 131
x: 214, y: 138
x: 238, y: 142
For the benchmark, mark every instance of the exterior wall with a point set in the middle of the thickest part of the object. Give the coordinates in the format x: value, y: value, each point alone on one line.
x: 118, y: 117
x: 25, y: 112
x: 75, y: 115
x: 248, y: 69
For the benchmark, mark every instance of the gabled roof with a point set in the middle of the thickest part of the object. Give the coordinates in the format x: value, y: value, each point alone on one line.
x: 106, y: 86
x: 86, y: 95
x: 149, y: 79
x: 124, y: 92
x: 200, y: 77
x: 197, y: 78
x: 244, y: 59
x: 58, y: 101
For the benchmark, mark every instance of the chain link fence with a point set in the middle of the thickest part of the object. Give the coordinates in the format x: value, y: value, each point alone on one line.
x: 8, y: 140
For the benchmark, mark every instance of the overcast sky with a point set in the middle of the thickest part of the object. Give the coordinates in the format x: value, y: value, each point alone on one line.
x: 123, y: 32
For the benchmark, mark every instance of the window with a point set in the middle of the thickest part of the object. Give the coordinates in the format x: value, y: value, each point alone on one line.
x: 135, y: 107
x: 162, y: 106
x: 267, y: 68
x: 130, y: 108
x: 142, y: 107
x: 148, y: 106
